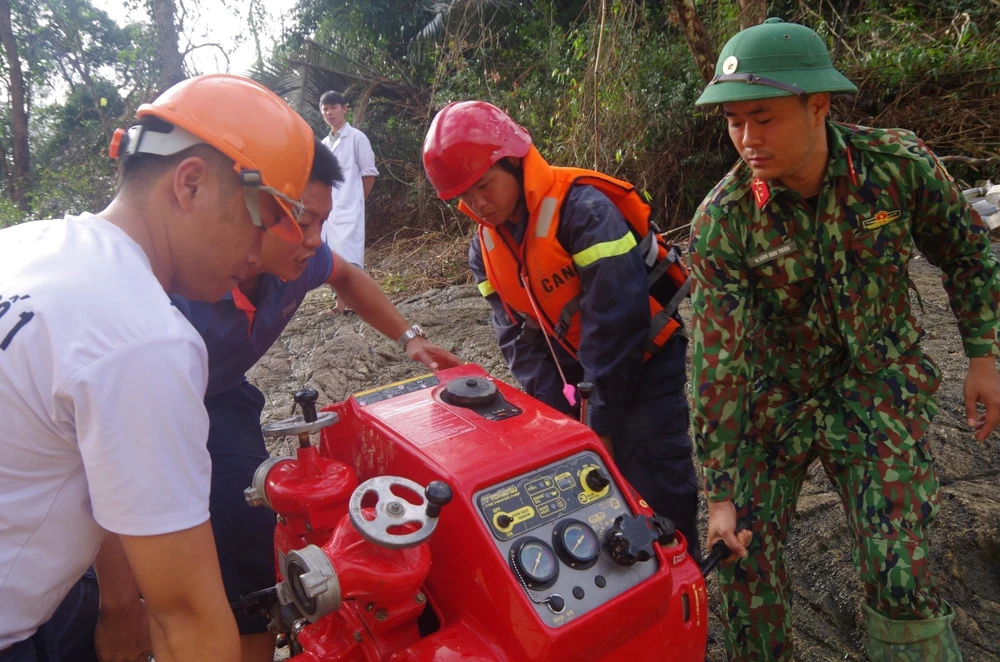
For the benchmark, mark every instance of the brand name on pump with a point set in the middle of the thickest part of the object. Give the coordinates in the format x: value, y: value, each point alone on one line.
x: 558, y: 278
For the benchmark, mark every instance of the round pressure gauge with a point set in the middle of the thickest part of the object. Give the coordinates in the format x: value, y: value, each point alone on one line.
x: 535, y: 562
x: 576, y: 543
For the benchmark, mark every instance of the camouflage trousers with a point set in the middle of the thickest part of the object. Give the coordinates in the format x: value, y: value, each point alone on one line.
x: 890, y: 494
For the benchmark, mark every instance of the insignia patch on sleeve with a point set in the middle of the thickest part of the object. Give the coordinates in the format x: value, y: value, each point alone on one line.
x: 880, y: 219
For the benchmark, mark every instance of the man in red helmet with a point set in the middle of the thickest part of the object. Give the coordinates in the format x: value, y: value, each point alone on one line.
x: 102, y: 380
x: 581, y: 290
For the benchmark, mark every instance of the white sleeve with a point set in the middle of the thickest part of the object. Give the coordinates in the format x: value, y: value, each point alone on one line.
x: 364, y: 156
x: 142, y: 429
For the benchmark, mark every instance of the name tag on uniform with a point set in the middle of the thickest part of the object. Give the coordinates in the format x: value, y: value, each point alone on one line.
x: 880, y: 219
x: 772, y: 254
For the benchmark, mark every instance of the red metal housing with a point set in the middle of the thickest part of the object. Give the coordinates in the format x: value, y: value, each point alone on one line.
x: 456, y: 597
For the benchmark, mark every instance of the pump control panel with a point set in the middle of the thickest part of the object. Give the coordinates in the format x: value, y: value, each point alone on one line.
x: 550, y: 526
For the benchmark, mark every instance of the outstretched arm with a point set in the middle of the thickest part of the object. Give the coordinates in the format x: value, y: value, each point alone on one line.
x: 362, y: 294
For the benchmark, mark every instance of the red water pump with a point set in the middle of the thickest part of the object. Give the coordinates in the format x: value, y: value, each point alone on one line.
x: 486, y: 526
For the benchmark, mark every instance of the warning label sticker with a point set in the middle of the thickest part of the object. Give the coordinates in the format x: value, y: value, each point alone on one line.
x: 424, y: 422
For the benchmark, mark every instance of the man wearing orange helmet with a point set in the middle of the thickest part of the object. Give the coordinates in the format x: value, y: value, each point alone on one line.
x: 238, y: 331
x: 582, y: 289
x: 102, y: 379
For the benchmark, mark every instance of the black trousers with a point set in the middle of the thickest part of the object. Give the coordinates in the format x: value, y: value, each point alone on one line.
x: 69, y: 634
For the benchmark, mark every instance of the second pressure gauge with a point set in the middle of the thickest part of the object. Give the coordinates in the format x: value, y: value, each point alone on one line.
x: 576, y: 543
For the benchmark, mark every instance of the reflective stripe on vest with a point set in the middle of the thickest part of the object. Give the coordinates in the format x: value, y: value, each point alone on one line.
x: 614, y: 248
x: 545, y: 214
x: 485, y: 288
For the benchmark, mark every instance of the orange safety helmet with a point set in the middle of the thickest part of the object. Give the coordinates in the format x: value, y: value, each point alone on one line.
x: 271, y: 145
x: 464, y: 140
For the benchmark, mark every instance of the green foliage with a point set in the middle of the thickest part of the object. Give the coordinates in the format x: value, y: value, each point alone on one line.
x: 73, y: 189
x: 903, y: 46
x: 635, y: 118
x: 9, y: 213
x: 640, y: 124
x: 101, y: 72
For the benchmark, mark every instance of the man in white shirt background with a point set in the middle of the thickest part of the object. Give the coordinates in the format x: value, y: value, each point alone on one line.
x: 102, y: 380
x: 344, y: 230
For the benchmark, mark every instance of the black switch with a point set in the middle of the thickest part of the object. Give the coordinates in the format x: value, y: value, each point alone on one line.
x: 503, y: 521
x: 596, y: 480
x: 665, y: 530
x: 578, y: 592
x: 600, y: 581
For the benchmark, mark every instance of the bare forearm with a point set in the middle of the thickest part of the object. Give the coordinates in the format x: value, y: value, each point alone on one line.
x: 362, y: 294
x: 195, y: 636
x: 119, y: 590
x: 178, y: 575
x: 367, y: 183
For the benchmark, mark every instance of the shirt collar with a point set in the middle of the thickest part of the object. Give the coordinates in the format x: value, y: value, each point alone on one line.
x: 343, y: 130
x: 537, y: 178
x: 837, y: 166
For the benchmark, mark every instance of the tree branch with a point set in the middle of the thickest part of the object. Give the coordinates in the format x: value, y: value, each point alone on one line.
x: 968, y: 160
x: 211, y: 44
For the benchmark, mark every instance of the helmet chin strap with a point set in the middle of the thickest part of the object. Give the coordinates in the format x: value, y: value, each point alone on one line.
x: 751, y: 79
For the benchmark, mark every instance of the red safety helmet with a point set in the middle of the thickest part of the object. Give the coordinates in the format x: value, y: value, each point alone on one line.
x: 465, y: 139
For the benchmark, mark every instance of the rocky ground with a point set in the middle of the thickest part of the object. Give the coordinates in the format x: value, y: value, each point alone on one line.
x: 339, y: 355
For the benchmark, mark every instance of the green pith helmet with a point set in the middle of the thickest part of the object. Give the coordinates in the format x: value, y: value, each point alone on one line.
x: 773, y: 59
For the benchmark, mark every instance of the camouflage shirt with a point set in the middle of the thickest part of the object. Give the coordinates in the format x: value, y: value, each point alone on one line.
x: 793, y: 297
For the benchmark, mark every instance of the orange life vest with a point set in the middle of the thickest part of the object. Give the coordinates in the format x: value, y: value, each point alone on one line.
x: 541, y: 275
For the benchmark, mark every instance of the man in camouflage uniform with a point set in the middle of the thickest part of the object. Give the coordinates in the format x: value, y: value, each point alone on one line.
x: 805, y: 345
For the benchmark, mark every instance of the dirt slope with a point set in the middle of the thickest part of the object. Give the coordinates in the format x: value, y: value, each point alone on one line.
x: 339, y: 355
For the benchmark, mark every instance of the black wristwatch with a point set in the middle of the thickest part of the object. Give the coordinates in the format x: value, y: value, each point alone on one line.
x: 408, y: 335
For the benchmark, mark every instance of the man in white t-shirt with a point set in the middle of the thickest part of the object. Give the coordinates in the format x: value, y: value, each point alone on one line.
x: 102, y: 380
x: 344, y: 230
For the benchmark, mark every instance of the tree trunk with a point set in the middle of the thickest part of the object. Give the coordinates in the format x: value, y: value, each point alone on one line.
x: 171, y: 60
x: 752, y: 12
x: 696, y: 38
x: 19, y: 113
x: 3, y: 159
